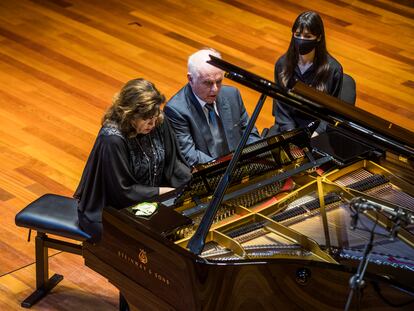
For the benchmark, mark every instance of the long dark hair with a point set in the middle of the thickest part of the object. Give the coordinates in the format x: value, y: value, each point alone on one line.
x: 138, y: 98
x: 313, y: 22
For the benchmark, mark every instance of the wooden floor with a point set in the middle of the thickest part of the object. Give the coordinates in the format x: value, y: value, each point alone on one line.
x: 62, y: 60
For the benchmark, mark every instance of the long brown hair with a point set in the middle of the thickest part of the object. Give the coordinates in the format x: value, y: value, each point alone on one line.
x: 138, y: 98
x: 313, y: 22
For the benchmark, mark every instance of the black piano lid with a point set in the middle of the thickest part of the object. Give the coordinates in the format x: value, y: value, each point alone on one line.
x: 306, y: 99
x: 343, y: 148
x: 325, y: 107
x: 357, y: 116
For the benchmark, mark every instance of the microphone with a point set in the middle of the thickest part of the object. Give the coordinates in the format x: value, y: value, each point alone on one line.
x: 394, y: 230
x: 398, y: 213
x: 354, y: 220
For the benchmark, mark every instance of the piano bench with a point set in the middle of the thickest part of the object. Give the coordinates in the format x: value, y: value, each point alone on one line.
x: 57, y: 215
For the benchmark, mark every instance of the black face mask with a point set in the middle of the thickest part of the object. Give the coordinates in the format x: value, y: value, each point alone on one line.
x: 305, y: 46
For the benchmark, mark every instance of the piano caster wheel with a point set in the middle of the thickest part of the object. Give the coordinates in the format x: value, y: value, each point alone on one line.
x: 303, y: 276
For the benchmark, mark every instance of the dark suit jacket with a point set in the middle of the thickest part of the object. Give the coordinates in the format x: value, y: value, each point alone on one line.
x: 191, y: 126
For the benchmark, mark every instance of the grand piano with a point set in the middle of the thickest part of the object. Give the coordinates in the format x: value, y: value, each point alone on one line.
x: 287, y: 223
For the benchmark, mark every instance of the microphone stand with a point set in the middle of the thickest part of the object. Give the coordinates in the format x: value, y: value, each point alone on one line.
x: 356, y: 282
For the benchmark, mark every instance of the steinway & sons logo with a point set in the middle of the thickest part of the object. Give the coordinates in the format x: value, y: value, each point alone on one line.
x: 141, y: 262
x: 142, y: 256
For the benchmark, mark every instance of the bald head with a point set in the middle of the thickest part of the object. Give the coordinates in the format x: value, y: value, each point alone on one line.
x: 204, y: 79
x: 198, y: 61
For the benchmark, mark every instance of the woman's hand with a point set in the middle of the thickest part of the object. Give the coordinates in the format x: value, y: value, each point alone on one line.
x: 165, y: 189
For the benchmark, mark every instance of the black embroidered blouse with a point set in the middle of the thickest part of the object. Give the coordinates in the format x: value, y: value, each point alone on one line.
x: 122, y: 171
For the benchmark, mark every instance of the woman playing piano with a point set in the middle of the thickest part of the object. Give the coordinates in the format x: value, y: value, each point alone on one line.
x: 308, y: 61
x: 135, y: 156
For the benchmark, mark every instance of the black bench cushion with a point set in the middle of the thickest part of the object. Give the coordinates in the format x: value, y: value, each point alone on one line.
x: 53, y: 214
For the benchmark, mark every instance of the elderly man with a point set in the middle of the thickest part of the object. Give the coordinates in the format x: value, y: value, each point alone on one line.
x: 208, y: 118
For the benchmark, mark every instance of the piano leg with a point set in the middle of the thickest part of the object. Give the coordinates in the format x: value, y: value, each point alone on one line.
x: 123, y: 304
